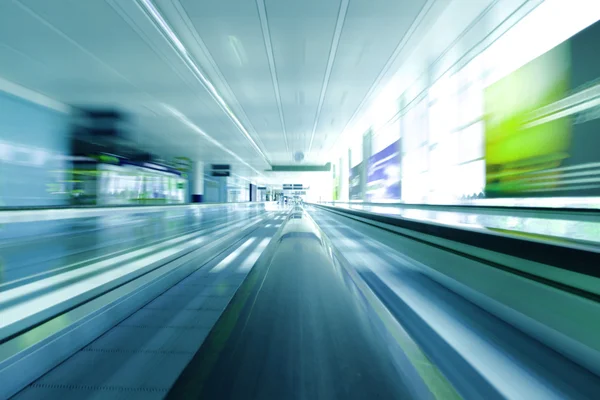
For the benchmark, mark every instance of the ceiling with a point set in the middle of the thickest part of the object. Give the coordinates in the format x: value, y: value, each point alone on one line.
x: 249, y: 82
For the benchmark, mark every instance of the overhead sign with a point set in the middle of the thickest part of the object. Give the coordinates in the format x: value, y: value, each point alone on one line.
x: 295, y: 186
x: 220, y: 170
x: 220, y: 173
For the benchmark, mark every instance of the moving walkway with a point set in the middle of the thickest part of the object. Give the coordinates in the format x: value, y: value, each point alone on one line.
x: 323, y: 301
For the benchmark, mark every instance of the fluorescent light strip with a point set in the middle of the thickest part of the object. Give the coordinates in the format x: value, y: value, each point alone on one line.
x: 196, y: 128
x: 262, y: 13
x: 565, y: 113
x: 168, y: 33
x: 334, y: 45
x: 231, y: 257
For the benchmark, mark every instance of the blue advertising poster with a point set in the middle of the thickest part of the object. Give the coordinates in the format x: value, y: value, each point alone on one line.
x: 384, y: 174
x: 355, y: 182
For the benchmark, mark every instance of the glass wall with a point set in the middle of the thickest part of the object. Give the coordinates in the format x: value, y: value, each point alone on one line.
x: 238, y: 190
x: 439, y: 117
x: 34, y: 145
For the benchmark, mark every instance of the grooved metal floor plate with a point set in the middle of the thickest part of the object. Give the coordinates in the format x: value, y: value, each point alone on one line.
x: 183, y: 319
x: 69, y: 392
x: 150, y: 339
x: 141, y: 357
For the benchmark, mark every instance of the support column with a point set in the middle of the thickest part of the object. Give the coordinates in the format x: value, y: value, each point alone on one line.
x: 401, y: 142
x: 251, y: 192
x: 198, y: 182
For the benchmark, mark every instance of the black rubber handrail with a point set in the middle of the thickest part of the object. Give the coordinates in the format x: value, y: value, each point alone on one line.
x: 581, y: 260
x: 474, y: 207
x: 77, y: 207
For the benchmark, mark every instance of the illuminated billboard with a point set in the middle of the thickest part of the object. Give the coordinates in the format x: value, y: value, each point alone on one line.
x: 384, y: 174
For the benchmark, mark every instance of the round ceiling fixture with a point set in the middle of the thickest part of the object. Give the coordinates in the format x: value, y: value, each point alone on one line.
x: 298, y: 156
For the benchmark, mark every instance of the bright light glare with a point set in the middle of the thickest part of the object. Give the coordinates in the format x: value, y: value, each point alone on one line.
x: 176, y: 113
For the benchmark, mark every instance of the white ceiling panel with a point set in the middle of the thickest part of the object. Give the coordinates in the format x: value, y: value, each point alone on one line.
x: 372, y: 31
x: 179, y: 20
x: 301, y: 35
x: 27, y: 33
x: 100, y: 53
x: 232, y: 33
x: 266, y: 59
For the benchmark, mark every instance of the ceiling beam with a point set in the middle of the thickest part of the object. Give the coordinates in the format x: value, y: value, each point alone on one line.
x: 339, y: 25
x: 264, y: 23
x: 169, y: 34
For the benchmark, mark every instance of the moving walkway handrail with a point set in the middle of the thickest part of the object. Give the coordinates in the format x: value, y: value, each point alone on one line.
x: 30, y: 353
x: 35, y: 214
x: 146, y: 260
x: 92, y: 206
x: 530, y: 284
x: 561, y: 213
x: 580, y: 259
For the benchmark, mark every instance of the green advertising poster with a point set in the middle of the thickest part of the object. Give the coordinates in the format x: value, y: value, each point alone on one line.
x: 336, y: 185
x: 540, y: 123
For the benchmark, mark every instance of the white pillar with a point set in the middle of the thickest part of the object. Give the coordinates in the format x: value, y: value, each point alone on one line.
x: 198, y: 182
x: 344, y: 176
